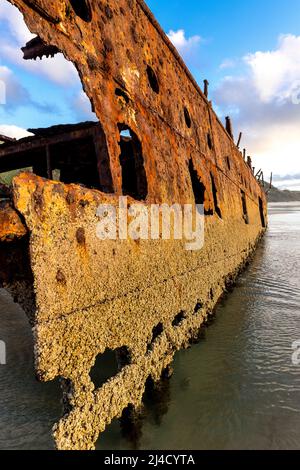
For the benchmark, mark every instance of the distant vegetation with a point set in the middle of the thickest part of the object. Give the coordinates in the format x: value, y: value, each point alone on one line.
x: 277, y: 195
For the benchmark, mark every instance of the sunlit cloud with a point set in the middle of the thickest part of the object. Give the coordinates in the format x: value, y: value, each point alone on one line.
x: 261, y: 102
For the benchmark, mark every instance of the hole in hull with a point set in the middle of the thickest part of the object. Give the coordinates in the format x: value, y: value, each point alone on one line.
x: 122, y: 94
x: 53, y: 154
x: 82, y: 9
x: 179, y: 319
x: 108, y: 365
x: 134, y: 180
x: 153, y: 80
x: 197, y: 185
x: 156, y: 332
x: 198, y: 307
x: 187, y: 117
x: 245, y: 209
x: 209, y: 141
x: 228, y: 163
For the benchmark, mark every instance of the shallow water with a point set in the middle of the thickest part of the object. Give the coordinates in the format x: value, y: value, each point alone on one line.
x: 236, y: 389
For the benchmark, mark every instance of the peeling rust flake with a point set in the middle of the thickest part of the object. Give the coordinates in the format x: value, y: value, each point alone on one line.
x: 157, y: 141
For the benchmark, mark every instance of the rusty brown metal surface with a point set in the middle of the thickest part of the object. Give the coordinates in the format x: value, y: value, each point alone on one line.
x: 11, y: 226
x: 93, y: 296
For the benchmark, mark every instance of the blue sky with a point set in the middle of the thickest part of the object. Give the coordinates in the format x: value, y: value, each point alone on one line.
x: 231, y: 28
x: 249, y: 50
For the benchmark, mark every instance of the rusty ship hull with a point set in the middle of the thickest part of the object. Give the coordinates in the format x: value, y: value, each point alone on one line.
x: 142, y: 299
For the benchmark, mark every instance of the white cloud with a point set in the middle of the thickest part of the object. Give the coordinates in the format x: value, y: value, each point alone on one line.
x: 274, y: 73
x: 182, y: 43
x: 285, y: 178
x: 290, y: 184
x: 260, y: 102
x: 14, y: 132
x: 187, y: 47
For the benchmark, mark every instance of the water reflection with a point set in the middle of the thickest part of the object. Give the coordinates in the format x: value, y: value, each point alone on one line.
x: 28, y: 408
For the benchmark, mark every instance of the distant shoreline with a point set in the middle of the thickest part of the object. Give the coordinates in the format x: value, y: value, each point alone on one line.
x: 278, y: 195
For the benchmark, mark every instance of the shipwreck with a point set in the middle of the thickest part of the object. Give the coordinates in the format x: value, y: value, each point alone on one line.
x: 157, y: 141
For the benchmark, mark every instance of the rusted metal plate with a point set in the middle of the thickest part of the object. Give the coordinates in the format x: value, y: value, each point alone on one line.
x: 92, y: 295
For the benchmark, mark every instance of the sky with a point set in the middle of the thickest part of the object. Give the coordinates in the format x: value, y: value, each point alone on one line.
x: 249, y: 50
